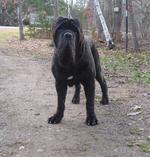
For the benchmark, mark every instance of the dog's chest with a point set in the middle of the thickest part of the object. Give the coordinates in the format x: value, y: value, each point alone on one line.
x: 70, y: 78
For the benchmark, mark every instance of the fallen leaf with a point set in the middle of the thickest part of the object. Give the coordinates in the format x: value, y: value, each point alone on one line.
x: 137, y: 108
x: 21, y: 147
x: 134, y: 113
x: 40, y: 150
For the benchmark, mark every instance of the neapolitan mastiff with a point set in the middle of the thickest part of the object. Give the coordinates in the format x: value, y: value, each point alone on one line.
x: 75, y: 61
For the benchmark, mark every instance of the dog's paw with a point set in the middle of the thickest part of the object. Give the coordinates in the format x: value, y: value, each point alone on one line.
x: 91, y: 121
x: 76, y: 100
x: 54, y: 119
x: 104, y: 101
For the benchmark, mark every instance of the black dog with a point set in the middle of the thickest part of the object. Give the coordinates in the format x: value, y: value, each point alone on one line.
x: 75, y: 62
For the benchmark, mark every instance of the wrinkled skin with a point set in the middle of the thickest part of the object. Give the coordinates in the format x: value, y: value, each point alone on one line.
x: 75, y: 62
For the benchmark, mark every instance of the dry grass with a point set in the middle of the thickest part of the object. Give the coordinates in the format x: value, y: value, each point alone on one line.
x: 8, y: 34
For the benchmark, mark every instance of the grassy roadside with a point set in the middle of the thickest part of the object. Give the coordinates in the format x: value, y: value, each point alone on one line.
x: 8, y: 34
x: 134, y: 66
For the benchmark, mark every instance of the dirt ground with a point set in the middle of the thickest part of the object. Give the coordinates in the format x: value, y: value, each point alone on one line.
x: 28, y: 98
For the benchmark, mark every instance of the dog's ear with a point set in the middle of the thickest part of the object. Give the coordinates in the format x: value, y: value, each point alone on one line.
x: 79, y: 26
x: 55, y: 25
x: 56, y: 22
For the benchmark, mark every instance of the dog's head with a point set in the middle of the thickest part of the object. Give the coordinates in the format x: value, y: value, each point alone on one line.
x: 67, y: 35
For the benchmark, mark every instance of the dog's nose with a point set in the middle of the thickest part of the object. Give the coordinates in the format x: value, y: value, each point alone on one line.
x: 68, y: 35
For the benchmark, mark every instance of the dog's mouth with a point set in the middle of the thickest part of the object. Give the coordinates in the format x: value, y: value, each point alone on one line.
x: 68, y: 42
x: 67, y: 53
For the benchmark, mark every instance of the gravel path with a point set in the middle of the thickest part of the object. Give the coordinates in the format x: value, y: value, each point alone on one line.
x: 28, y: 98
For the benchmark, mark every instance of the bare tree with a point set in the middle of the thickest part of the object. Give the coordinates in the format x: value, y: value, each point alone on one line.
x: 21, y: 31
x: 134, y: 28
x: 117, y: 19
x: 55, y: 8
x: 108, y: 13
x: 142, y: 16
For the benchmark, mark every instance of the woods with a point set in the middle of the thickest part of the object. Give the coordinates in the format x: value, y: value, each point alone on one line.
x: 36, y: 13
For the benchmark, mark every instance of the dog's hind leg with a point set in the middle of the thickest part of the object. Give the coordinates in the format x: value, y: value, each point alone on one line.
x: 100, y: 78
x: 76, y: 97
x: 61, y: 88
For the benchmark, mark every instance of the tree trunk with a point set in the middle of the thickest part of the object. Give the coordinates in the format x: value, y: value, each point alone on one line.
x: 55, y: 8
x: 55, y: 13
x: 100, y: 28
x: 108, y: 14
x: 117, y: 19
x: 21, y: 33
x: 134, y: 31
x: 3, y: 16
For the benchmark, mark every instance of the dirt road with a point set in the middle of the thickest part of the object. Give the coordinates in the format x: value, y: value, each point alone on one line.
x: 28, y: 98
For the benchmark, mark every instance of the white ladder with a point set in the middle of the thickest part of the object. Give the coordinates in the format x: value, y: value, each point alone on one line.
x: 108, y: 38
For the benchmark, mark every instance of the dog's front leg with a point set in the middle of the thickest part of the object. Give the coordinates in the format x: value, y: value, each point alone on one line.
x: 89, y: 87
x: 61, y: 88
